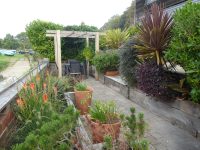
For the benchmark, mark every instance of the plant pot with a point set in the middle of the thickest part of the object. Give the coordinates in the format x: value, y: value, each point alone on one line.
x: 83, y: 100
x: 100, y: 130
x: 112, y: 73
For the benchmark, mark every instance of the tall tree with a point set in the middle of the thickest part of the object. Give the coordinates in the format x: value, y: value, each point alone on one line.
x: 9, y: 42
x: 113, y: 23
x: 1, y: 43
x: 23, y: 41
x: 36, y: 32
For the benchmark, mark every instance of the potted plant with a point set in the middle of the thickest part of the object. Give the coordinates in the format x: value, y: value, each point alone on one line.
x: 83, y: 97
x: 107, y: 62
x: 104, y: 120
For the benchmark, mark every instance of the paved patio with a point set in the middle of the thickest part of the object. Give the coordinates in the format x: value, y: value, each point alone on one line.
x: 162, y: 134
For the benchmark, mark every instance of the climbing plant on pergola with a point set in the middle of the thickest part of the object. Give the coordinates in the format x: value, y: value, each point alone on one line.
x: 57, y: 35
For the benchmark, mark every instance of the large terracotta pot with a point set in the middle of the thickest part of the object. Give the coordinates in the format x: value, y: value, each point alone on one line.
x: 112, y: 73
x: 83, y: 100
x: 100, y: 130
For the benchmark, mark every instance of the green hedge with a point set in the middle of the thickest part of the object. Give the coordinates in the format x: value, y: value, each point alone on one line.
x: 184, y: 48
x: 106, y: 61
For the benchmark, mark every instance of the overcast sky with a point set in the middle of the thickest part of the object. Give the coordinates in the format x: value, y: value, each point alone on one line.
x: 16, y: 14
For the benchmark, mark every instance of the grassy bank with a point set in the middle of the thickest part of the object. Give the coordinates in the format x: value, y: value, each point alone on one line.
x: 5, y: 61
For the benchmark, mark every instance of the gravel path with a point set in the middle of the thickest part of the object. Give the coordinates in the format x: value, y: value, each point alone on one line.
x: 161, y: 133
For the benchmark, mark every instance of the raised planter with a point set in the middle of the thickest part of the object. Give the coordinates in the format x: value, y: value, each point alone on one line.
x: 184, y: 114
x: 83, y: 136
x: 112, y: 73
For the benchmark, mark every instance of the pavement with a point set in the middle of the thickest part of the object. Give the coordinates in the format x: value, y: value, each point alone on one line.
x: 13, y: 73
x: 161, y: 133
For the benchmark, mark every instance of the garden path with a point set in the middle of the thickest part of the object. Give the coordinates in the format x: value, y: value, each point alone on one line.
x: 13, y: 73
x: 161, y: 133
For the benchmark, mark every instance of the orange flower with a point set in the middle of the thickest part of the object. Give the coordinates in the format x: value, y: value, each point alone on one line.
x: 25, y: 86
x: 37, y: 77
x: 45, y: 98
x: 44, y: 85
x: 20, y: 102
x: 32, y: 86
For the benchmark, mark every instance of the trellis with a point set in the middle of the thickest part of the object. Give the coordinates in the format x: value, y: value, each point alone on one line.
x: 57, y: 35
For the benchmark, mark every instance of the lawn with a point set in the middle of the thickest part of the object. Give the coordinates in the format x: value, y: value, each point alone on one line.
x: 5, y: 61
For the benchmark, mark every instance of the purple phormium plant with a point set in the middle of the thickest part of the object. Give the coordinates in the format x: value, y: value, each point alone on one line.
x: 154, y: 33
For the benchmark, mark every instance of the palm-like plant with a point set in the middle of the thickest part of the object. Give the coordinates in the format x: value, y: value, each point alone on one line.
x: 115, y: 38
x: 154, y: 33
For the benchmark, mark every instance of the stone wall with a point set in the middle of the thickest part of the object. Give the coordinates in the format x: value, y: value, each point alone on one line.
x: 184, y: 114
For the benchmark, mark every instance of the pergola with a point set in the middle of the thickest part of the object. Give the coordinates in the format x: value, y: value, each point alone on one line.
x: 57, y: 35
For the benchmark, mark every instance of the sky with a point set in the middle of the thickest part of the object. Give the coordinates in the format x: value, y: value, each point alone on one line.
x: 16, y: 14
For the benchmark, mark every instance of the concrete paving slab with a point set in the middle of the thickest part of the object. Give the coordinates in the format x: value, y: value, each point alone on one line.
x: 161, y: 133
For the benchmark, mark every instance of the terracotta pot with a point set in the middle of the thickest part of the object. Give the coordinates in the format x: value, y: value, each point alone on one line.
x: 112, y: 73
x: 83, y: 100
x: 100, y: 130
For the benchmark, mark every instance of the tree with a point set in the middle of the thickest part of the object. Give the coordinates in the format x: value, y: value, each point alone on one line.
x: 1, y: 43
x: 9, y: 42
x: 113, y: 23
x: 23, y: 41
x: 36, y: 32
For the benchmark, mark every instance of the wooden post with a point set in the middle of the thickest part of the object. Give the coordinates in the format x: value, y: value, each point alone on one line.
x: 87, y: 61
x: 87, y: 41
x: 96, y: 51
x: 56, y: 50
x: 59, y: 53
x: 97, y: 42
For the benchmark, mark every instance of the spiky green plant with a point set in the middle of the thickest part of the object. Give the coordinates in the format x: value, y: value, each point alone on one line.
x: 115, y: 38
x: 154, y: 33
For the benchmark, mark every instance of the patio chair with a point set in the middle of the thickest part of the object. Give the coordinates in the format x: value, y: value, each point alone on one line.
x: 75, y: 69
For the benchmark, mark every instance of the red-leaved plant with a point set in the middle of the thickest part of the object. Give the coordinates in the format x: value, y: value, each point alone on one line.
x: 154, y: 33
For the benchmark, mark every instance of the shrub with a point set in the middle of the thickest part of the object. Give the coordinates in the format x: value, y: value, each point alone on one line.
x: 154, y: 80
x: 104, y: 112
x: 136, y: 127
x: 36, y: 32
x: 55, y: 134
x: 38, y: 101
x: 106, y: 61
x: 115, y: 38
x: 154, y: 33
x: 128, y: 61
x: 185, y: 45
x: 81, y: 86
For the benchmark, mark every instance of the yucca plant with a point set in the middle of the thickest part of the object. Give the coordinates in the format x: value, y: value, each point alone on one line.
x: 154, y: 33
x: 115, y: 38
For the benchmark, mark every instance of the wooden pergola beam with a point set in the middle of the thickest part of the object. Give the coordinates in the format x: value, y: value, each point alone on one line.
x: 57, y: 35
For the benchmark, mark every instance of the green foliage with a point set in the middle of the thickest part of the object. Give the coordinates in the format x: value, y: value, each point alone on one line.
x: 123, y: 21
x: 39, y: 100
x: 108, y: 145
x: 88, y: 53
x: 115, y: 38
x: 55, y: 134
x: 135, y: 133
x: 72, y: 48
x: 185, y: 45
x: 154, y: 34
x: 106, y: 61
x: 104, y: 112
x: 80, y: 86
x: 23, y: 41
x: 9, y: 42
x: 36, y: 32
x: 113, y: 23
x: 128, y: 61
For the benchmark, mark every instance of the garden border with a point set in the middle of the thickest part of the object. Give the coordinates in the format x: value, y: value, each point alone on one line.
x: 184, y: 114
